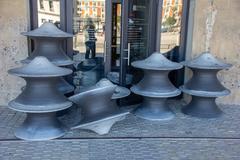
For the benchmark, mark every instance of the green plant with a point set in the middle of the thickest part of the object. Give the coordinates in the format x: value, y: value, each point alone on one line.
x: 170, y: 22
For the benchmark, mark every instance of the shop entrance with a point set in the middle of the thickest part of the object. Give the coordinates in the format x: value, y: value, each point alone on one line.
x: 109, y: 35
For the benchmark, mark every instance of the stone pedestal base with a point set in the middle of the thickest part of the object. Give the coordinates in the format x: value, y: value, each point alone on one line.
x: 101, y: 126
x: 202, y: 107
x: 154, y: 109
x: 40, y: 126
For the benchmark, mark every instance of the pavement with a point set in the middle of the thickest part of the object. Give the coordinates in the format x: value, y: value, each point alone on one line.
x: 182, y: 138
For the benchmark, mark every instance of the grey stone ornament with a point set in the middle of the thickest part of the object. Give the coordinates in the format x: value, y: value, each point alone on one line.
x: 40, y: 99
x: 99, y: 108
x: 48, y: 41
x: 155, y: 87
x: 114, y: 77
x: 204, y: 86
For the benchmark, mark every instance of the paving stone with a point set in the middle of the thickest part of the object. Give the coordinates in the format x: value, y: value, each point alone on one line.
x: 182, y: 138
x: 123, y: 149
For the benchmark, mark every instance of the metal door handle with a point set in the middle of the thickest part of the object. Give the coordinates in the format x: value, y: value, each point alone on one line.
x: 104, y: 52
x: 128, y: 50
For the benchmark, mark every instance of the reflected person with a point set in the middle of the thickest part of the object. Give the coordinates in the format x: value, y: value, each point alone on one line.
x: 90, y: 40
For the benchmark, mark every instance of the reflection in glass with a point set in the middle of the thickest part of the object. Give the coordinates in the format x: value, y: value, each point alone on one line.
x: 116, y: 35
x: 138, y: 29
x: 171, y: 24
x: 88, y: 41
x: 49, y: 11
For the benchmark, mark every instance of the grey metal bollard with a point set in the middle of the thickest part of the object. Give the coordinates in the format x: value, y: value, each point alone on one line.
x: 48, y: 42
x: 155, y: 87
x: 204, y: 86
x: 40, y: 99
x: 99, y: 108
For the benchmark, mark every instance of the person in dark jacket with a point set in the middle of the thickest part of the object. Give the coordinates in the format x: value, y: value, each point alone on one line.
x: 90, y: 40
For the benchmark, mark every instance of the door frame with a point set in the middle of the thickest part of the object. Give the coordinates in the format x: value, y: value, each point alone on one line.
x: 108, y: 36
x: 154, y: 32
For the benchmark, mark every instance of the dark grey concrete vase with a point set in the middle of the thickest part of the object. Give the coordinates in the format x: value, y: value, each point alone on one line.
x: 155, y: 87
x: 204, y: 86
x: 40, y: 99
x: 48, y: 42
x: 99, y: 109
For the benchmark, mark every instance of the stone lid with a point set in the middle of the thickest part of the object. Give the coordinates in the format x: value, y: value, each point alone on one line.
x: 119, y: 92
x: 158, y: 92
x: 40, y: 67
x: 156, y: 61
x: 206, y: 61
x: 103, y: 86
x: 45, y: 107
x: 47, y: 29
x: 204, y: 93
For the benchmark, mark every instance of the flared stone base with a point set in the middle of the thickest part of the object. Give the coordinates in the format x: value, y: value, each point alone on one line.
x: 154, y: 109
x: 38, y: 127
x: 202, y: 107
x: 101, y: 126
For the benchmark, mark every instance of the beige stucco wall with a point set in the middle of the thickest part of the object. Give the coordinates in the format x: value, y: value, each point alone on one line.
x: 13, y: 46
x: 222, y: 36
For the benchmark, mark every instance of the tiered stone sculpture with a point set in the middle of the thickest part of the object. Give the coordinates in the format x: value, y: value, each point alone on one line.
x: 99, y: 108
x: 204, y: 86
x: 155, y: 87
x: 40, y: 99
x: 48, y: 42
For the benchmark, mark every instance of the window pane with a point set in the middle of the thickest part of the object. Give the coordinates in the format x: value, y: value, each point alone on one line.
x: 88, y: 41
x: 49, y: 11
x: 171, y: 24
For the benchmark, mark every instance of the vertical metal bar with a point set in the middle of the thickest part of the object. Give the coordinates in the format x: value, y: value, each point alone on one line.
x: 183, y: 40
x: 33, y: 4
x: 66, y: 23
x: 189, y: 36
x: 151, y: 29
x: 184, y: 30
x: 63, y: 15
x: 33, y: 7
x: 129, y: 53
x: 124, y: 41
x: 108, y: 35
x: 159, y: 25
x: 190, y: 24
x: 154, y: 29
x: 104, y: 53
x: 69, y: 24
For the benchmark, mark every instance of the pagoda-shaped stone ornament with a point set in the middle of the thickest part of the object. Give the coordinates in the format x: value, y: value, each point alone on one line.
x: 40, y: 99
x: 99, y: 107
x: 48, y: 42
x: 155, y: 87
x: 204, y: 86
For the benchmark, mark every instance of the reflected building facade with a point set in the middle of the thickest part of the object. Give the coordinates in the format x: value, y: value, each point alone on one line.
x: 48, y: 11
x: 85, y: 9
x: 172, y: 8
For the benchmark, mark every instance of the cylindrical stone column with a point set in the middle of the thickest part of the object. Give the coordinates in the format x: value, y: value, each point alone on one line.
x: 155, y: 87
x: 204, y: 86
x: 40, y: 99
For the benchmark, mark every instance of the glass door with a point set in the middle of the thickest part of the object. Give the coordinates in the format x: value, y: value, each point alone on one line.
x: 108, y: 36
x: 134, y: 42
x: 89, y: 42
